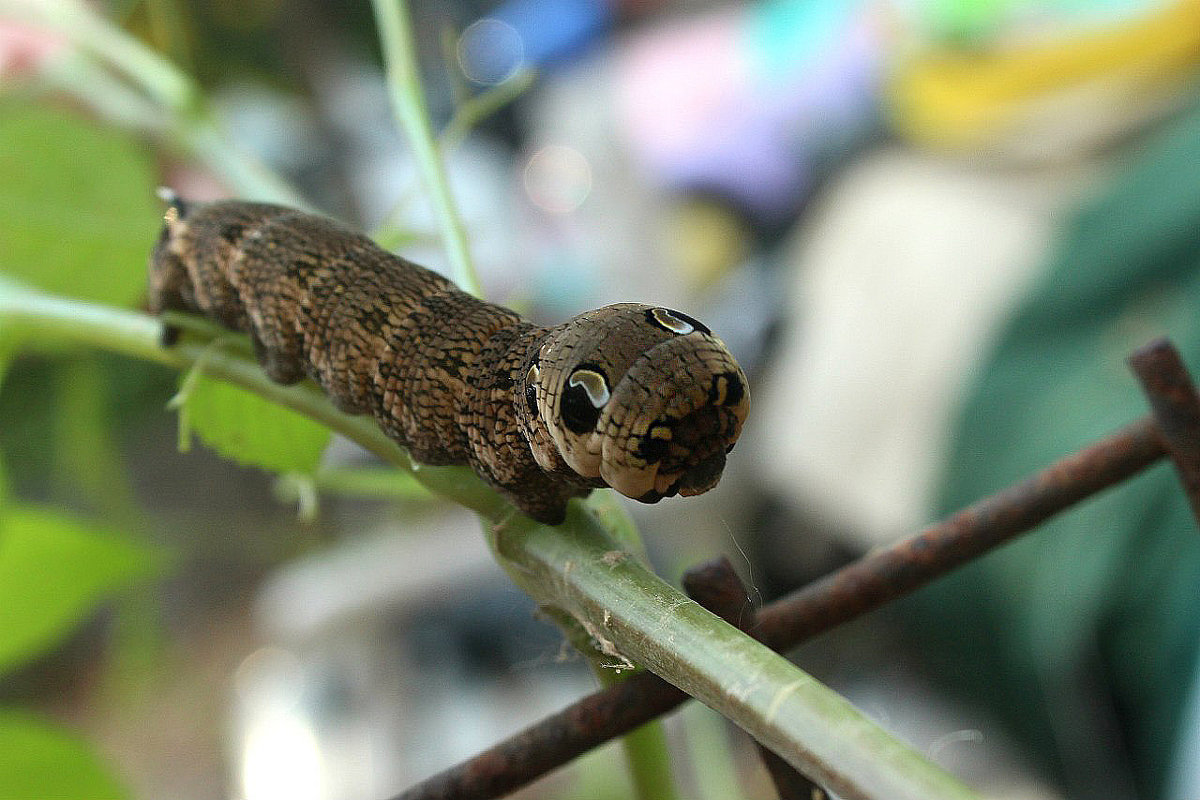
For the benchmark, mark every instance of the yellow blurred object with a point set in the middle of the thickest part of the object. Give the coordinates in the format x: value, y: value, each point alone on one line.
x: 966, y: 99
x: 705, y: 240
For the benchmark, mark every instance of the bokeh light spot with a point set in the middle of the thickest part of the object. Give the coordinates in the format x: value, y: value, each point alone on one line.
x: 490, y: 51
x: 558, y: 178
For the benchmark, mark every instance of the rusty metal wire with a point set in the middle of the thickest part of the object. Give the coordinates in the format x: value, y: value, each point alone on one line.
x: 860, y: 587
x: 1176, y: 406
x: 895, y: 571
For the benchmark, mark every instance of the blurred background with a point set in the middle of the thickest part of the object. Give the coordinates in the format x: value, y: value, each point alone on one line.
x: 930, y: 230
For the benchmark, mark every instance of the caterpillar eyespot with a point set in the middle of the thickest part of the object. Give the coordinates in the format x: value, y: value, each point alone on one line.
x: 531, y: 379
x: 585, y: 394
x: 640, y: 398
x: 674, y: 321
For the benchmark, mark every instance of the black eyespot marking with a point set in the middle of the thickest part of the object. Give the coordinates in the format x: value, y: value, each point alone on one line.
x: 726, y: 390
x: 675, y: 321
x: 531, y: 378
x: 653, y: 446
x: 584, y: 394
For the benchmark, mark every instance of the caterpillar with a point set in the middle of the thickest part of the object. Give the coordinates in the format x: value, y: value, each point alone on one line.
x: 637, y: 397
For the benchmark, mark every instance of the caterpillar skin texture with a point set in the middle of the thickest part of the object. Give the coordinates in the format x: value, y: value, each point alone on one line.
x: 639, y: 398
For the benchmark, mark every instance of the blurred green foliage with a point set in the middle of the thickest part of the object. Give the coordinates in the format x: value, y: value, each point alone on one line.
x: 54, y: 570
x: 77, y: 216
x: 77, y: 212
x: 38, y: 760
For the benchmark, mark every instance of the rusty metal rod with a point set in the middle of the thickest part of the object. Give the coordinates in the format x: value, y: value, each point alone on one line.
x: 890, y: 573
x: 1176, y: 406
x: 860, y: 587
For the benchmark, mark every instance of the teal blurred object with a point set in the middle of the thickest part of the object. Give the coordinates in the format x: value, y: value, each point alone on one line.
x: 1084, y: 634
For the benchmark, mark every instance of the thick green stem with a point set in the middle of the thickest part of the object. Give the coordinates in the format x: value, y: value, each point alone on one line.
x: 408, y: 103
x: 635, y: 616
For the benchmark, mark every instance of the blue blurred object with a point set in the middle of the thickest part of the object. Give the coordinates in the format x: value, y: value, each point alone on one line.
x: 539, y: 33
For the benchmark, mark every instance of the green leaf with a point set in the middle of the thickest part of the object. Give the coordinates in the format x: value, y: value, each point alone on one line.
x: 38, y: 759
x: 87, y: 460
x: 77, y: 208
x: 53, y: 571
x: 250, y: 430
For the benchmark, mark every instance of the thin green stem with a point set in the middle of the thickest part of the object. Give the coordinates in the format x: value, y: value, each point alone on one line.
x: 372, y: 483
x: 131, y: 100
x: 41, y: 319
x: 474, y: 110
x: 412, y: 114
x: 76, y: 22
x: 245, y: 174
x: 85, y: 440
x: 107, y: 95
x: 650, y: 762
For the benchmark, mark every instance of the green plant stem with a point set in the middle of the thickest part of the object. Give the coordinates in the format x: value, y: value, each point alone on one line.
x: 248, y: 177
x: 41, y: 319
x: 85, y: 440
x: 376, y: 484
x: 474, y: 110
x: 408, y: 103
x: 649, y: 761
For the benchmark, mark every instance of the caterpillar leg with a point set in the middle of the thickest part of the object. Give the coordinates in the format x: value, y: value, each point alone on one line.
x: 278, y: 366
x: 542, y: 498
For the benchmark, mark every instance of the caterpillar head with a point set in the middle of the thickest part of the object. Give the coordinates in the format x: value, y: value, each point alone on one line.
x: 644, y: 398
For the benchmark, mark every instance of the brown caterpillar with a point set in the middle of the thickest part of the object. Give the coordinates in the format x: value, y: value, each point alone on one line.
x: 639, y: 398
